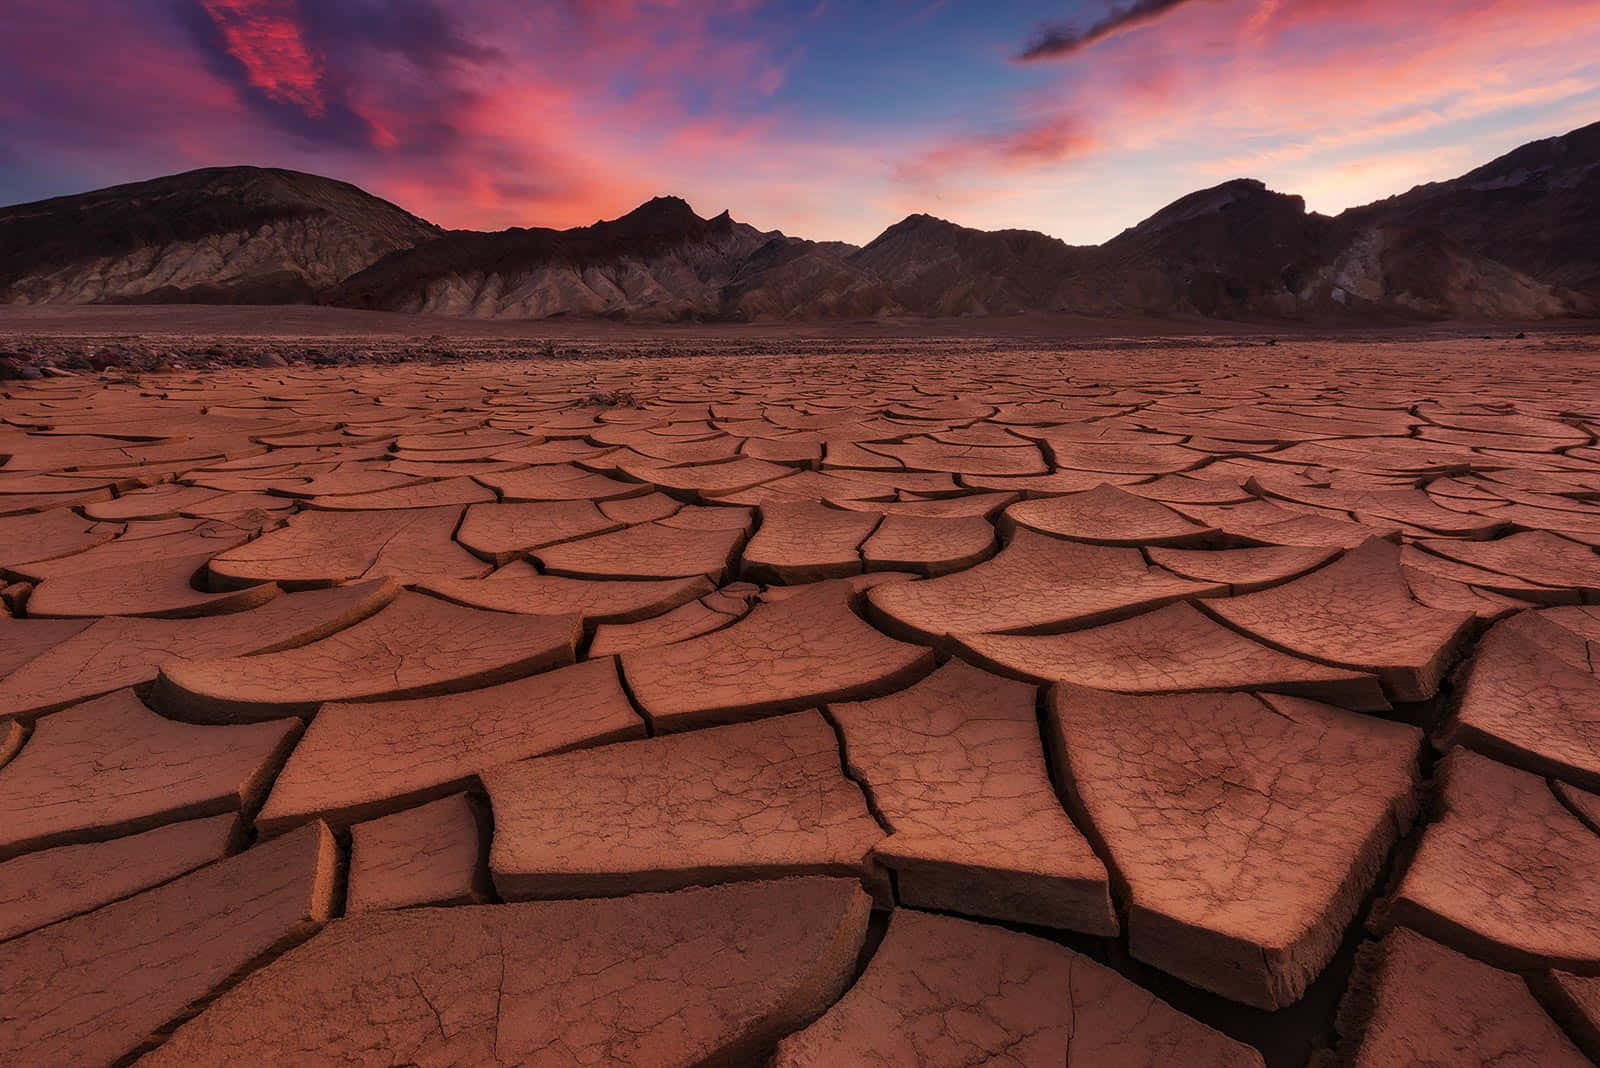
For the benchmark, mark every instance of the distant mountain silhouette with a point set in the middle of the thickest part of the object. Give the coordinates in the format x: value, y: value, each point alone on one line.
x: 661, y: 261
x: 1518, y: 238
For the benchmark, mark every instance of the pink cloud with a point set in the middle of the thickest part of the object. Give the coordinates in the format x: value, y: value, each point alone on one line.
x: 1026, y: 146
x: 1335, y: 93
x: 266, y: 38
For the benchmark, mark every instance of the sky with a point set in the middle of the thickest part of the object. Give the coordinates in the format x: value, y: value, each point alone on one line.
x: 822, y: 118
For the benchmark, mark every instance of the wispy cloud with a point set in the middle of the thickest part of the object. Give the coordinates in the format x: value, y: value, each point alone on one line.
x: 1058, y: 40
x: 1025, y: 146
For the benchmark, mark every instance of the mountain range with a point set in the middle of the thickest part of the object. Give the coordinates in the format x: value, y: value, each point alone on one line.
x: 1518, y: 238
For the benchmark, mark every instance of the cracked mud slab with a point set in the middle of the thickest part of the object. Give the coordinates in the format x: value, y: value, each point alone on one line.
x: 654, y: 550
x: 414, y: 646
x: 48, y: 535
x: 706, y: 976
x: 1533, y: 557
x: 1036, y: 584
x: 954, y: 765
x: 945, y: 992
x: 1358, y: 613
x: 40, y: 888
x: 1414, y: 1001
x: 805, y: 542
x: 795, y: 653
x: 141, y: 545
x: 114, y: 652
x: 928, y: 544
x: 1107, y: 515
x: 1532, y: 700
x: 121, y: 973
x: 363, y: 759
x: 746, y: 801
x: 520, y: 587
x: 322, y: 548
x: 501, y: 533
x: 712, y: 612
x: 428, y: 855
x: 163, y: 588
x: 1177, y: 649
x: 1450, y: 595
x: 1243, y: 570
x: 112, y: 766
x: 23, y: 639
x: 1506, y: 872
x: 1246, y: 828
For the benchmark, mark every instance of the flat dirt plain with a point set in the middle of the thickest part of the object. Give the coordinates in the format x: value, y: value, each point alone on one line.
x: 869, y: 696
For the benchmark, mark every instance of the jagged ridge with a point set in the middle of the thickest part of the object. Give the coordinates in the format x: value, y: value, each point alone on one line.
x: 1518, y: 238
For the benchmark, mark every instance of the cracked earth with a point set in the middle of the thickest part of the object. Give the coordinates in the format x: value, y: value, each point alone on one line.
x: 1143, y: 706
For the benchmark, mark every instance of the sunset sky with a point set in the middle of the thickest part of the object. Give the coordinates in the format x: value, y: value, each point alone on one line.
x: 823, y: 118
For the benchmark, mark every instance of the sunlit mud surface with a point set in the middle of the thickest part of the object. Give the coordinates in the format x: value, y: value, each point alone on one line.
x: 1195, y: 702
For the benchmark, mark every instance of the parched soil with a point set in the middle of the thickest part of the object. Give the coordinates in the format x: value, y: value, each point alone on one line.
x: 388, y: 692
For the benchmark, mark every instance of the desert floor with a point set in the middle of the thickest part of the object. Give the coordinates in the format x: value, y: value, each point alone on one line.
x: 860, y: 696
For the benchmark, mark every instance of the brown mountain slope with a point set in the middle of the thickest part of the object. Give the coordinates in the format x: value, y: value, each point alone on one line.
x: 938, y: 268
x: 220, y: 235
x: 659, y: 262
x: 1237, y: 250
x: 1242, y: 251
x: 1535, y: 209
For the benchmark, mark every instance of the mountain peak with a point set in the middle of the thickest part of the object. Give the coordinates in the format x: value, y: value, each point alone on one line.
x: 1208, y: 202
x: 667, y: 212
x: 918, y: 224
x: 924, y: 219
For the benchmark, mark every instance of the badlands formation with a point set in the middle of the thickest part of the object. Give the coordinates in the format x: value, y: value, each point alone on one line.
x: 1143, y: 706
